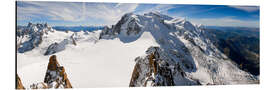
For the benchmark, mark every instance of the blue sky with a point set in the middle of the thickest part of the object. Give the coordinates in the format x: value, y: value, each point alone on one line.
x: 89, y: 13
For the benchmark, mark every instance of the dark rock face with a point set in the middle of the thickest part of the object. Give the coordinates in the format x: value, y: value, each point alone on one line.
x: 117, y: 27
x: 57, y: 47
x: 133, y: 27
x: 157, y: 69
x: 51, y: 49
x: 73, y: 40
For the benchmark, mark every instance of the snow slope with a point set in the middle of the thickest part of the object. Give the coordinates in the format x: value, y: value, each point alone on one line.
x: 186, y: 44
x: 89, y: 64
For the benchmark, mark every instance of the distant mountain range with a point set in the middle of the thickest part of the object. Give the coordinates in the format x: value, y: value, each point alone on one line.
x: 72, y: 28
x: 78, y: 28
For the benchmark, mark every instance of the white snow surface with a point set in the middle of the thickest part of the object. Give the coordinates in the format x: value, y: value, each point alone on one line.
x: 106, y: 63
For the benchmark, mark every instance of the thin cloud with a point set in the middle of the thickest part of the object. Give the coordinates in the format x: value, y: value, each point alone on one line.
x: 163, y: 8
x: 74, y: 12
x: 226, y: 21
x: 109, y: 13
x: 247, y: 8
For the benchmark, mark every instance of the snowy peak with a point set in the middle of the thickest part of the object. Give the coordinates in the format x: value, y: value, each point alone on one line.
x: 44, y: 28
x: 134, y: 25
x: 31, y: 36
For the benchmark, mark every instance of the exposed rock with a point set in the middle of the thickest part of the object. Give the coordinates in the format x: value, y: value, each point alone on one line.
x: 56, y: 76
x: 19, y: 83
x: 51, y: 49
x: 133, y: 27
x: 157, y: 69
x: 33, y: 34
x: 40, y: 85
x: 73, y: 40
x: 57, y: 47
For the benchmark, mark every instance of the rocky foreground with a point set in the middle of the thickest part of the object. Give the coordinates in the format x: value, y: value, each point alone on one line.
x: 55, y: 77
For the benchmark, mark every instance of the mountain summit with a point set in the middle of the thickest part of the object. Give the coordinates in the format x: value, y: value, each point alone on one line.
x: 31, y: 36
x: 182, y: 43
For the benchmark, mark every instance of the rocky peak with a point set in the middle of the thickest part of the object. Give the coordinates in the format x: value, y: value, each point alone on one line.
x: 158, y: 69
x: 56, y: 76
x: 127, y: 18
x: 128, y: 24
x: 34, y: 34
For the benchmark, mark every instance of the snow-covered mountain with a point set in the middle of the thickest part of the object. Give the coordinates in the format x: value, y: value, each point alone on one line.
x: 140, y: 50
x: 31, y: 36
x: 184, y: 43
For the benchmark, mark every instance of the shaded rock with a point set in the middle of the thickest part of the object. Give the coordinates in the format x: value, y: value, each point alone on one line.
x: 73, y: 40
x: 51, y: 49
x: 40, y: 85
x: 57, y: 47
x: 157, y: 69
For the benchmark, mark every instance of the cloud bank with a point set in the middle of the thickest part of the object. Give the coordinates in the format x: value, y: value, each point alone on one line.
x: 73, y: 11
x: 86, y: 13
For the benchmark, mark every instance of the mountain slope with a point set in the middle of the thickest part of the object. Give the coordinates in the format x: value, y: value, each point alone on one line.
x: 240, y: 45
x: 186, y: 44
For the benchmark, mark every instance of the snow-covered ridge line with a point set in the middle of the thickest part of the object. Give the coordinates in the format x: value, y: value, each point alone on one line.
x: 30, y: 37
x: 185, y: 43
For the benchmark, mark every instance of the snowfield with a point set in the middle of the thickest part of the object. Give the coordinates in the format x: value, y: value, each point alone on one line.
x: 106, y: 63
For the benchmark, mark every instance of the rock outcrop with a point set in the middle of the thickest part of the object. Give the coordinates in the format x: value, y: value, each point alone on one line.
x: 19, y: 84
x: 157, y: 69
x: 56, y: 76
x: 57, y: 47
